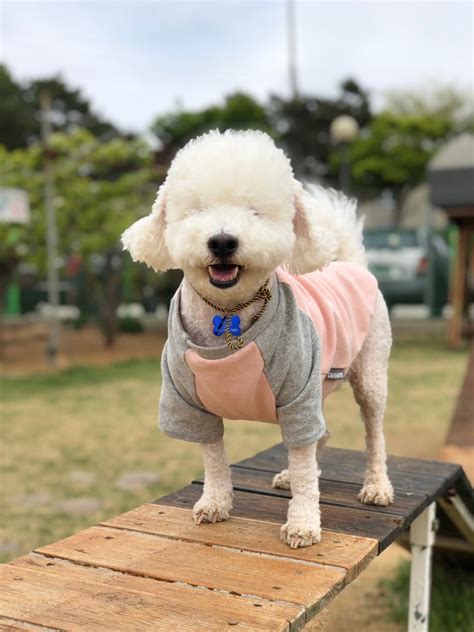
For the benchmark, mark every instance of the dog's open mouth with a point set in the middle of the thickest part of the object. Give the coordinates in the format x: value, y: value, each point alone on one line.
x: 224, y: 274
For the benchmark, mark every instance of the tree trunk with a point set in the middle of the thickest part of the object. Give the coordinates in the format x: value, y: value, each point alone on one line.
x: 111, y: 286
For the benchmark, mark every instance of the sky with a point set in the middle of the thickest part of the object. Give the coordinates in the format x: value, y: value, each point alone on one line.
x: 139, y: 59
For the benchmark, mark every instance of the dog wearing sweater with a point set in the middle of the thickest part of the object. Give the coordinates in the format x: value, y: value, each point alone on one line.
x: 275, y: 311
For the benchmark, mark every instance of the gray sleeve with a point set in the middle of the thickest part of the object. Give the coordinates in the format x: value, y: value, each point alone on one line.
x: 299, y: 405
x: 182, y: 419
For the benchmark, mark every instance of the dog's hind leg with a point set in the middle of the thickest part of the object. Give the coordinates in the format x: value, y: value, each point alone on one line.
x: 368, y: 378
x: 281, y: 480
x: 216, y: 500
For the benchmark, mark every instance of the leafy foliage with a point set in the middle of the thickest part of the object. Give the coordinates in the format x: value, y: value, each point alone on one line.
x: 100, y: 189
x: 239, y: 111
x: 17, y: 120
x: 20, y: 106
x: 395, y: 149
x: 440, y: 102
x: 302, y: 127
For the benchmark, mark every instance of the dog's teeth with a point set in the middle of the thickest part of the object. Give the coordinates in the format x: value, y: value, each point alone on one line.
x: 223, y: 274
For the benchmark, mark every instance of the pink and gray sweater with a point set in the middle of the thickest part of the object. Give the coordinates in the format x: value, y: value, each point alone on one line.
x: 293, y: 356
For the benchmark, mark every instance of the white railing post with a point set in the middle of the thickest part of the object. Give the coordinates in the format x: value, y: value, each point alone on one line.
x: 422, y: 537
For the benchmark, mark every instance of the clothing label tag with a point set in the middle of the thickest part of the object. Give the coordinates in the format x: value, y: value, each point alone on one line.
x: 336, y: 374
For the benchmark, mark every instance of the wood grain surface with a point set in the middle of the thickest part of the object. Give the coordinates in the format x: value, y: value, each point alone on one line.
x: 350, y: 553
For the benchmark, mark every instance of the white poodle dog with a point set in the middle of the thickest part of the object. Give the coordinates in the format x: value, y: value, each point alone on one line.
x: 276, y: 309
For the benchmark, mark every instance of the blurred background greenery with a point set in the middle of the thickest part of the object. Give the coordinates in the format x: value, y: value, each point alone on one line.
x: 105, y: 178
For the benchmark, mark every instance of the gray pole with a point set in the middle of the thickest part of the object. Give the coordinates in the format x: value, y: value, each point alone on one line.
x: 290, y: 22
x: 345, y: 170
x: 51, y: 232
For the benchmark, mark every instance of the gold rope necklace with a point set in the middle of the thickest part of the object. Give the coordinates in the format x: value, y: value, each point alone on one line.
x: 229, y: 323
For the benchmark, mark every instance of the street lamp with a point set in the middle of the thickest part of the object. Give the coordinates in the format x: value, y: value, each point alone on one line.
x: 343, y: 131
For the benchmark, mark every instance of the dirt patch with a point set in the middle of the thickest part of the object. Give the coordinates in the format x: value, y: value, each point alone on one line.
x: 23, y: 348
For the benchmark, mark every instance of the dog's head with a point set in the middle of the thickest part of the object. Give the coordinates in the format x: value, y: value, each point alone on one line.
x: 228, y: 214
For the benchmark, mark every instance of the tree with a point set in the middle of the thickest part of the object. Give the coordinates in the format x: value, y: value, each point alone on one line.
x: 17, y: 121
x: 302, y: 127
x: 101, y: 188
x: 395, y: 148
x: 175, y: 129
x: 20, y: 106
x: 394, y: 151
x: 443, y: 102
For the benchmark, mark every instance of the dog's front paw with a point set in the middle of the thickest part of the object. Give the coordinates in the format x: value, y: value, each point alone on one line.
x: 299, y: 534
x: 281, y: 480
x: 380, y: 493
x: 212, y: 509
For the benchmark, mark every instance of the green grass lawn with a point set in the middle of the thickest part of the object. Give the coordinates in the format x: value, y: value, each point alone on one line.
x: 74, y: 434
x: 452, y: 598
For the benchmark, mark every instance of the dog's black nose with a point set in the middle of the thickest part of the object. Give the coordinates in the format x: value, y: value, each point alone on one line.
x: 223, y: 245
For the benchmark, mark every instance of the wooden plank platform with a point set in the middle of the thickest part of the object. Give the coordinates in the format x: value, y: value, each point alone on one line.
x: 153, y: 569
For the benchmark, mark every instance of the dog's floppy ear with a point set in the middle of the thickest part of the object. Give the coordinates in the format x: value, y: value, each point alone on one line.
x: 145, y: 239
x: 315, y: 245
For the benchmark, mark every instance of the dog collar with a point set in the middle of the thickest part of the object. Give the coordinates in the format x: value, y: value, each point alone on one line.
x: 228, y: 323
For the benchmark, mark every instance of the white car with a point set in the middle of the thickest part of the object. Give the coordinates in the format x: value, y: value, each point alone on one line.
x: 400, y: 259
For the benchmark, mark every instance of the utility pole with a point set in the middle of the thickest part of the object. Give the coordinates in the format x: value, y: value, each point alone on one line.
x: 291, y: 34
x: 51, y: 231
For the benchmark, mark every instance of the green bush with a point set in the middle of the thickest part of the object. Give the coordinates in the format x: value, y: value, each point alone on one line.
x: 130, y: 325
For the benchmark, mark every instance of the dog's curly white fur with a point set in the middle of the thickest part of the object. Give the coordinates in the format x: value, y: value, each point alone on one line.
x: 241, y: 184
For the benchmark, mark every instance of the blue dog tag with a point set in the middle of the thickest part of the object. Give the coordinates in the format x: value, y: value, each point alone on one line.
x: 219, y: 325
x: 220, y: 322
x: 235, y: 325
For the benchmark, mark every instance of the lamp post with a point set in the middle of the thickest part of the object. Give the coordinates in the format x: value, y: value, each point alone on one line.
x: 343, y: 131
x: 51, y: 231
x: 291, y: 41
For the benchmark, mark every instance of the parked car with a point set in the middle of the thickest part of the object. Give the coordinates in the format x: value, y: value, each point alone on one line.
x: 401, y: 259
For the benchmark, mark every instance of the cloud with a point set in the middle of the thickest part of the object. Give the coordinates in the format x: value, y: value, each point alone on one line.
x: 135, y: 59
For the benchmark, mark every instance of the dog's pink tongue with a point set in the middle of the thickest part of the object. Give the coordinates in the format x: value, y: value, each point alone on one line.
x: 223, y: 274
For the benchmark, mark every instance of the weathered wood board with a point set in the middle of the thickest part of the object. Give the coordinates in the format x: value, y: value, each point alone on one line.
x: 347, y: 552
x: 384, y: 527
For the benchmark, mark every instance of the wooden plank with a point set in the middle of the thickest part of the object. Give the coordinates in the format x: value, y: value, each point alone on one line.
x: 359, y: 522
x: 11, y: 624
x: 458, y: 287
x: 62, y: 595
x: 460, y: 516
x: 351, y: 553
x: 355, y: 460
x: 406, y: 504
x: 432, y: 478
x: 217, y: 568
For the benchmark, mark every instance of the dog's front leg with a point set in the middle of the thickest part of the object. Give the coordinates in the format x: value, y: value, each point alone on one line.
x: 216, y: 500
x: 303, y: 526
